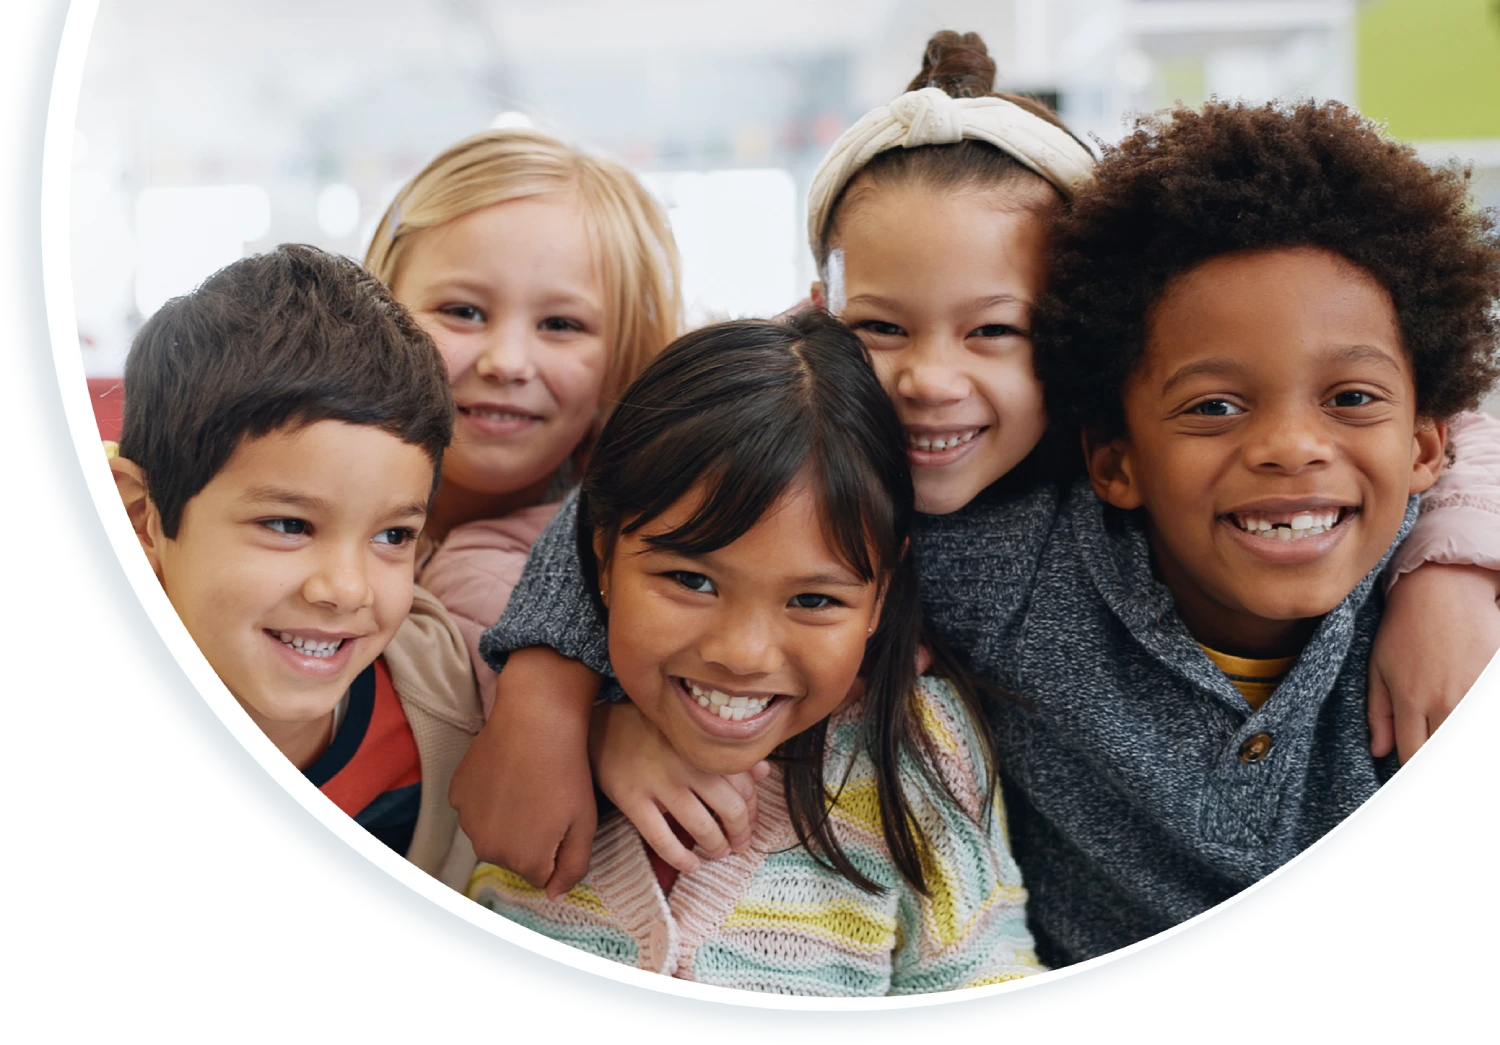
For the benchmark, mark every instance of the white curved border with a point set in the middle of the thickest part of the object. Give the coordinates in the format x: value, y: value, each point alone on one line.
x: 57, y: 277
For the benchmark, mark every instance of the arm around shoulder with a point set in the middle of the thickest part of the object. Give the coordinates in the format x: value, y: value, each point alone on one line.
x: 1460, y: 521
x: 552, y: 604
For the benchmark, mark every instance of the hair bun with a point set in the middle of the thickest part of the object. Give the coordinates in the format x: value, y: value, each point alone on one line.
x: 959, y: 63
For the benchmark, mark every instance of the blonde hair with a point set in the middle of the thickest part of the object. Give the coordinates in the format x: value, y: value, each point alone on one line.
x: 636, y: 253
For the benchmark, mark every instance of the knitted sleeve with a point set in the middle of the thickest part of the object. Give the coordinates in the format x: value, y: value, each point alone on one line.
x: 1460, y: 522
x: 970, y: 930
x: 551, y: 605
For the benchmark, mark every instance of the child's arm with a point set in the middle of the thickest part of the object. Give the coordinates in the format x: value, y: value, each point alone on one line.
x: 639, y: 770
x: 523, y: 791
x: 1445, y: 599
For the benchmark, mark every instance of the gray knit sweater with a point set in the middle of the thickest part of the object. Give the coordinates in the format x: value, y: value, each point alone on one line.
x: 1131, y: 805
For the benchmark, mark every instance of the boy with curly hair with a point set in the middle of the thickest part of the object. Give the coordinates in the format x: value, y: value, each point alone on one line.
x: 284, y: 428
x: 1262, y: 319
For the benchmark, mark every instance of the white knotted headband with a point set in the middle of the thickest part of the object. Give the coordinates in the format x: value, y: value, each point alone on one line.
x: 932, y: 117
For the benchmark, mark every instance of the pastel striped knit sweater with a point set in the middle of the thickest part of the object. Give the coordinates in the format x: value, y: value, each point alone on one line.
x: 773, y: 919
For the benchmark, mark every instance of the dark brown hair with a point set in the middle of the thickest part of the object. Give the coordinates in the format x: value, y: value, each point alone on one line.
x: 1189, y: 186
x: 959, y: 64
x: 745, y: 409
x: 281, y: 339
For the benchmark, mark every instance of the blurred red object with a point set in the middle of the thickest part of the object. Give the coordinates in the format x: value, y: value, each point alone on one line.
x: 107, y: 394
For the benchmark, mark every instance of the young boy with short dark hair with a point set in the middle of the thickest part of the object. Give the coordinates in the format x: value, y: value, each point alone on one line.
x: 284, y: 427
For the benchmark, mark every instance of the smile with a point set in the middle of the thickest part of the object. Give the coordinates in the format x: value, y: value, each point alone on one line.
x: 1294, y: 525
x: 495, y: 413
x: 728, y: 706
x: 927, y: 443
x: 318, y: 648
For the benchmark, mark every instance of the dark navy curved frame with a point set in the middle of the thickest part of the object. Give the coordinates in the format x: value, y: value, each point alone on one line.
x: 203, y: 729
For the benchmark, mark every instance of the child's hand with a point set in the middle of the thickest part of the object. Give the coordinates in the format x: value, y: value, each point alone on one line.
x: 640, y: 771
x: 1440, y: 629
x: 523, y: 791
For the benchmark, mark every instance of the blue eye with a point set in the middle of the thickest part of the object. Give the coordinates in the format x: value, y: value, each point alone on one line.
x: 813, y: 601
x: 693, y: 581
x: 1216, y: 408
x: 289, y: 527
x: 1351, y: 398
x: 396, y: 536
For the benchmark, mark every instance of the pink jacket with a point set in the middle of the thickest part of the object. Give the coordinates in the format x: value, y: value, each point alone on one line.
x: 473, y: 572
x: 1469, y: 492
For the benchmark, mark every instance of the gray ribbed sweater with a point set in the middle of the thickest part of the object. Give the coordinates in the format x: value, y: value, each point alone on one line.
x: 1130, y: 806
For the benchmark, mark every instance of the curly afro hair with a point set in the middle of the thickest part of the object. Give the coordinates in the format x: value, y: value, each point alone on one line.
x: 1187, y: 186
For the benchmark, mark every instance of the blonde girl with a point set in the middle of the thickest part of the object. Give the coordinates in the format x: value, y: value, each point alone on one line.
x: 548, y: 279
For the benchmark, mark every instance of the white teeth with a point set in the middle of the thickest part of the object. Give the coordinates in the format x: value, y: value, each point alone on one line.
x: 930, y: 445
x: 727, y: 707
x: 494, y: 415
x: 319, y: 648
x: 1303, y: 524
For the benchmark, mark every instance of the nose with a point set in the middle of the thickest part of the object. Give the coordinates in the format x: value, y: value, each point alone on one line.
x: 743, y: 642
x: 507, y: 356
x: 1288, y: 441
x: 927, y: 373
x: 339, y: 581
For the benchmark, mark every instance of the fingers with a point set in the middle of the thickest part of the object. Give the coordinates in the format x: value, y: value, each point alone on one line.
x: 1382, y: 717
x: 731, y: 801
x: 760, y: 771
x: 572, y: 861
x: 689, y: 811
x: 652, y: 824
x: 1411, y: 733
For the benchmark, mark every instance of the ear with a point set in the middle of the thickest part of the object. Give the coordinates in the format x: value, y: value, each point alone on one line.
x: 819, y: 295
x: 130, y: 483
x: 1111, y: 470
x: 1429, y: 453
x: 601, y: 558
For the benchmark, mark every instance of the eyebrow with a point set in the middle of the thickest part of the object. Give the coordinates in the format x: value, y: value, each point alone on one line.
x: 1363, y: 354
x: 816, y: 580
x: 974, y: 305
x: 282, y: 496
x: 1216, y: 367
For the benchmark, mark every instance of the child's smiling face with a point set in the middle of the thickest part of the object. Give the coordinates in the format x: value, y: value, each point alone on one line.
x: 511, y: 293
x: 940, y: 288
x: 1273, y: 441
x: 292, y: 569
x: 734, y: 651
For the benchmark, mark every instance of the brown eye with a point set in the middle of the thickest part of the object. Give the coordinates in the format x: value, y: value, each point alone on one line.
x: 1352, y: 398
x: 813, y: 601
x: 1216, y: 408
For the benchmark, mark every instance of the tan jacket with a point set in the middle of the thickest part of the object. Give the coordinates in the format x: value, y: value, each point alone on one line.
x: 473, y: 572
x: 429, y: 666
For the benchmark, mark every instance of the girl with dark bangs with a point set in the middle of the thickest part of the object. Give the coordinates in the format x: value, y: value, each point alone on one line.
x: 746, y: 521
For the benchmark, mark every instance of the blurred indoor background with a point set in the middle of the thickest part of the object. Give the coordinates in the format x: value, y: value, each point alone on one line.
x: 209, y: 129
